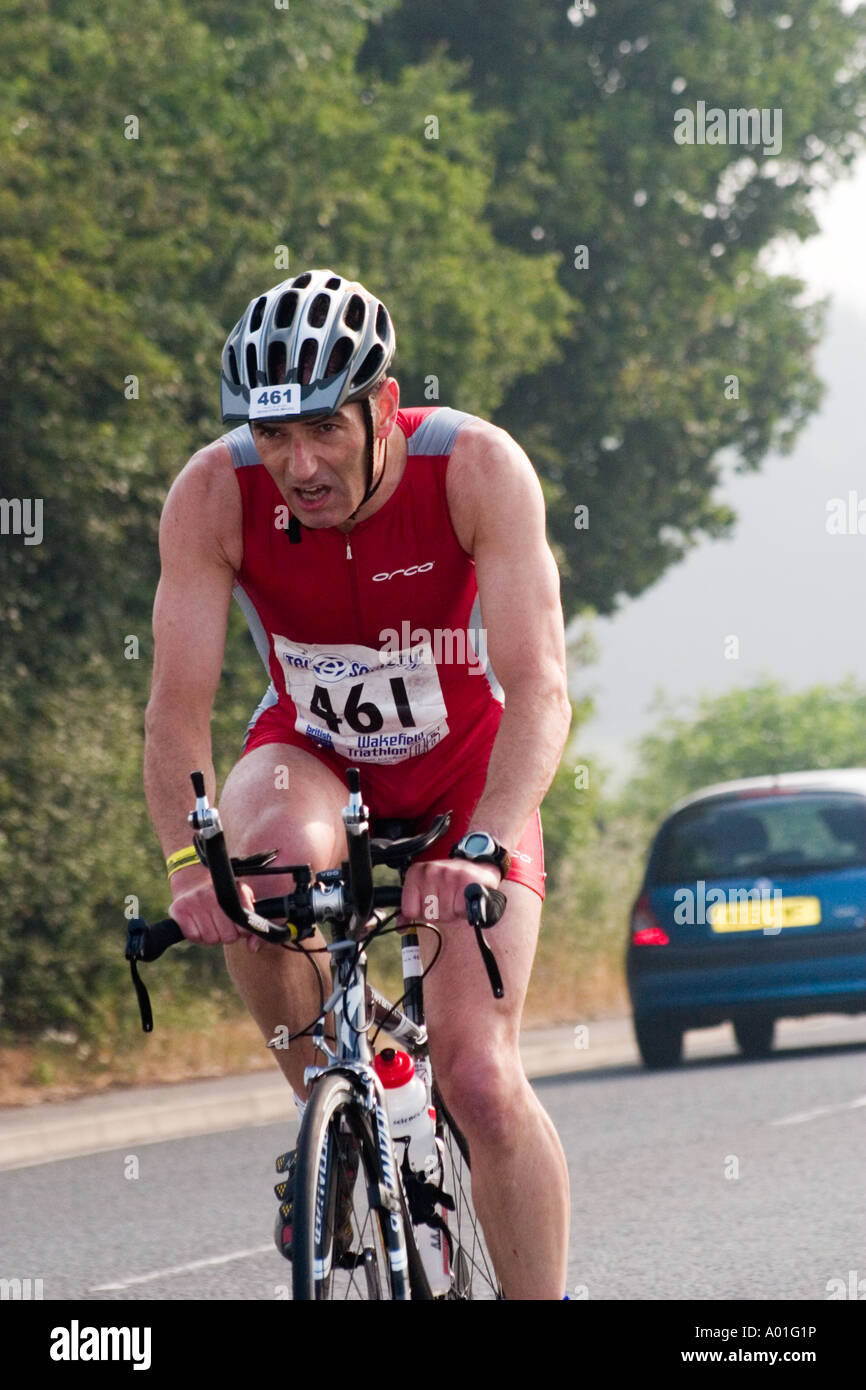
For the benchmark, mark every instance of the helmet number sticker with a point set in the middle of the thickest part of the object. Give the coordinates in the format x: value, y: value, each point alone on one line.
x: 378, y: 706
x: 268, y: 401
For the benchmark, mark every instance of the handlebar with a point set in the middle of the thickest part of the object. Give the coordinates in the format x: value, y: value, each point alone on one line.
x: 347, y: 893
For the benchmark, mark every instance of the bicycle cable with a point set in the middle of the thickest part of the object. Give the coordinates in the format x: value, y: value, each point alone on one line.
x: 384, y: 930
x: 309, y: 952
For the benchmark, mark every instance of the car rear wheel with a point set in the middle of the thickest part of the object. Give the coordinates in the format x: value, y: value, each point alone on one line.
x: 659, y: 1040
x: 755, y: 1035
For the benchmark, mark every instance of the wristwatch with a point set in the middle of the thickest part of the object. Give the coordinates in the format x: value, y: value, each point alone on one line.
x: 481, y: 848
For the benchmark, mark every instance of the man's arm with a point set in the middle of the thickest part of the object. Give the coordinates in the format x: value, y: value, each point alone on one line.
x: 499, y: 503
x: 190, y: 617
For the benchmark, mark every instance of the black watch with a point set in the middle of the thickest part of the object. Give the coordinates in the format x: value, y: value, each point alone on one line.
x: 481, y: 848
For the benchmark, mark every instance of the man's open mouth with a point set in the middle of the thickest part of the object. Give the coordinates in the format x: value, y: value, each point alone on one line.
x: 309, y: 496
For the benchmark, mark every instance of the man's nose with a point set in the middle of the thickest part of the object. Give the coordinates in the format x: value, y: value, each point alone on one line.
x: 301, y: 459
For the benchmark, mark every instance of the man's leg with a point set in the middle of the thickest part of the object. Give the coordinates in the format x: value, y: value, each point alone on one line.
x: 519, y: 1173
x: 302, y: 821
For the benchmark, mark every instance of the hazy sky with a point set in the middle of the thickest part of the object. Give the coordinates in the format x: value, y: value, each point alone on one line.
x: 787, y: 589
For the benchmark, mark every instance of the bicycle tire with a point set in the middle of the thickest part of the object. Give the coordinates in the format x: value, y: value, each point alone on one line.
x: 473, y: 1275
x: 347, y: 1244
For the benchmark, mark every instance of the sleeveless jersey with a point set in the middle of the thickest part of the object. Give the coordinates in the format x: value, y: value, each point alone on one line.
x: 373, y: 639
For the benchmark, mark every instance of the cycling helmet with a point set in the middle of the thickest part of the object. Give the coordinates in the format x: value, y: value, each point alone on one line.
x: 323, y: 340
x: 328, y: 337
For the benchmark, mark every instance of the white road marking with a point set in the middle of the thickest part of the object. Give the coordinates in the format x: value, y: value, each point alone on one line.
x: 182, y: 1269
x: 805, y: 1115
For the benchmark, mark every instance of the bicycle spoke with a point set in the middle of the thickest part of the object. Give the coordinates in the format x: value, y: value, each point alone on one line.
x: 360, y: 1257
x: 344, y: 1246
x: 474, y: 1275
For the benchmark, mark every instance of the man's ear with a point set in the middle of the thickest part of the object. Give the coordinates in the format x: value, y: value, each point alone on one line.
x: 385, y: 403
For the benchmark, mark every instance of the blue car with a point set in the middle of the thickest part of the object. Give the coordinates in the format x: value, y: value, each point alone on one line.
x: 752, y: 908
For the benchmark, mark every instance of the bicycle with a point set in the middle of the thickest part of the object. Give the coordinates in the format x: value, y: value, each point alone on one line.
x: 358, y: 1206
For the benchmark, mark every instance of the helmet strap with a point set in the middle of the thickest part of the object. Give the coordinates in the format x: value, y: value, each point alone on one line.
x: 371, y: 486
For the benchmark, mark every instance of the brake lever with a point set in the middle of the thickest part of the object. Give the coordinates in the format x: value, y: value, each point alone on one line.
x: 484, y: 907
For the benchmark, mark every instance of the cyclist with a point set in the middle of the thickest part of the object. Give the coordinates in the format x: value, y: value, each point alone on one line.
x: 365, y: 544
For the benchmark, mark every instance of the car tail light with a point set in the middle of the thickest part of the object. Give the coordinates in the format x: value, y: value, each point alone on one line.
x: 645, y: 928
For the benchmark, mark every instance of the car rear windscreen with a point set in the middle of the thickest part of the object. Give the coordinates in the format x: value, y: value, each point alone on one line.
x: 777, y: 834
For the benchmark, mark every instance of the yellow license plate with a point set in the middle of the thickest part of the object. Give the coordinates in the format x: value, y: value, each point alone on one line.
x: 767, y: 913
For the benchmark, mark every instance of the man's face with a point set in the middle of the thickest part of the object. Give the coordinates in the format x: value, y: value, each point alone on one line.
x: 319, y: 466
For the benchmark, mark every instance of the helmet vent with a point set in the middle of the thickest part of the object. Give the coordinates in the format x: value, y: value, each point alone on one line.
x: 383, y: 323
x: 276, y: 363
x: 318, y: 310
x: 355, y: 313
x: 233, y: 367
x: 334, y: 283
x: 252, y: 365
x: 302, y: 281
x: 307, y: 360
x: 286, y: 310
x: 369, y: 366
x: 340, y: 354
x: 258, y: 314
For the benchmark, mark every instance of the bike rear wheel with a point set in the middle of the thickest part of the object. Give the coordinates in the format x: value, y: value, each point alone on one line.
x: 348, y: 1237
x: 473, y: 1274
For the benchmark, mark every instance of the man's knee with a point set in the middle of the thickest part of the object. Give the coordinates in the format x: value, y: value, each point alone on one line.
x: 279, y: 797
x: 484, y: 1092
x: 314, y: 842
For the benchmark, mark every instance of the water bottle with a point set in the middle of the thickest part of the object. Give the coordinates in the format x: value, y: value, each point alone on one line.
x: 412, y: 1118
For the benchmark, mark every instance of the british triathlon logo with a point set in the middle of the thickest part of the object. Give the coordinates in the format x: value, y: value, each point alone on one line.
x: 413, y: 569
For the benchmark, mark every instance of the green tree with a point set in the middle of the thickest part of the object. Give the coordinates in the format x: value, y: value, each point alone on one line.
x: 160, y: 161
x: 632, y: 418
x: 760, y: 731
x: 124, y: 261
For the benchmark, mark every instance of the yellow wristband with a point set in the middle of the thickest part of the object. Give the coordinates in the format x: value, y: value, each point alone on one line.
x: 182, y: 859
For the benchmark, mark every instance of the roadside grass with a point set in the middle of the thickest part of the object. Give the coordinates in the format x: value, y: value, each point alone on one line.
x: 579, y: 967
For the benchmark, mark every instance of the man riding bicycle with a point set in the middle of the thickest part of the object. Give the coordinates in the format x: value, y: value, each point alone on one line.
x: 365, y: 545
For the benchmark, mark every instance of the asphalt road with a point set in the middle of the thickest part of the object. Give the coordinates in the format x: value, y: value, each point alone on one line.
x: 723, y: 1179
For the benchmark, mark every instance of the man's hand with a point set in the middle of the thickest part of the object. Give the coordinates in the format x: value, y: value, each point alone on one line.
x: 199, y: 915
x: 433, y: 891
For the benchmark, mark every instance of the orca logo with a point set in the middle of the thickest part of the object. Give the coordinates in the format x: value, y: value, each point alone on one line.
x: 413, y: 569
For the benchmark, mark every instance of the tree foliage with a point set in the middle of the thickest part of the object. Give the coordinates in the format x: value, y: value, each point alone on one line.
x: 632, y: 418
x: 760, y: 731
x: 161, y: 164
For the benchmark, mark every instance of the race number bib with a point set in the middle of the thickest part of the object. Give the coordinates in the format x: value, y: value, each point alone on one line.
x: 368, y: 705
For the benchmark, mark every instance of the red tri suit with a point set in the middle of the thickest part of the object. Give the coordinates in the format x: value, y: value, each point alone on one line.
x: 374, y: 643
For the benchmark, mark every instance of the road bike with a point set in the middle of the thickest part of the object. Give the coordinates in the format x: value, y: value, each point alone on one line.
x: 361, y: 1214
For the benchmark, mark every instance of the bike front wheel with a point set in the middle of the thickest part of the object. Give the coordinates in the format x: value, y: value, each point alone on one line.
x: 348, y: 1237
